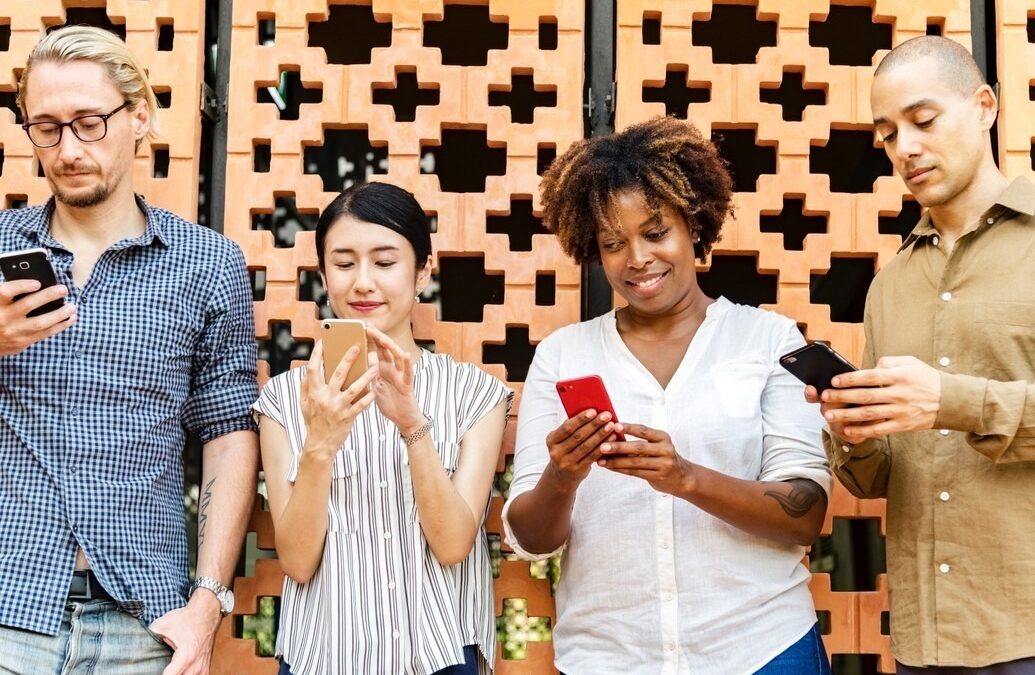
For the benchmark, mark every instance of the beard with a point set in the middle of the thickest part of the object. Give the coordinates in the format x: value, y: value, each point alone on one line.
x: 83, y: 200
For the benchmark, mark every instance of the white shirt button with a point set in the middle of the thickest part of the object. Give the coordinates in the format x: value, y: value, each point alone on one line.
x: 946, y: 296
x: 664, y: 545
x: 944, y: 496
x: 387, y: 535
x: 383, y: 484
x: 391, y: 585
x: 943, y: 432
x: 667, y: 597
x: 670, y: 647
x: 395, y: 635
x: 944, y: 568
x: 845, y: 448
x: 944, y: 361
x: 990, y: 220
x: 935, y: 240
x: 381, y: 437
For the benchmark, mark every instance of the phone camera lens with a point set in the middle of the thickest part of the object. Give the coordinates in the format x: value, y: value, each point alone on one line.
x: 23, y: 265
x: 792, y: 360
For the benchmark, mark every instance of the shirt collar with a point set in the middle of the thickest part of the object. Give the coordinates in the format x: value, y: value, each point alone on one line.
x: 152, y: 229
x: 1018, y: 197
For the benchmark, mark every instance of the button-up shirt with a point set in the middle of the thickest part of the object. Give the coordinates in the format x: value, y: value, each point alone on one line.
x: 93, y: 419
x: 651, y: 584
x: 961, y: 497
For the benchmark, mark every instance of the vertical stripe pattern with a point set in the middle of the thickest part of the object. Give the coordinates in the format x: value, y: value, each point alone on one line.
x: 380, y: 602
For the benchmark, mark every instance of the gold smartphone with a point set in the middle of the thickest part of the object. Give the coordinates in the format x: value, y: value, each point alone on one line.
x: 338, y: 336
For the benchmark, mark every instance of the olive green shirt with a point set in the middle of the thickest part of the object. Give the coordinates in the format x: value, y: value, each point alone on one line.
x: 961, y: 497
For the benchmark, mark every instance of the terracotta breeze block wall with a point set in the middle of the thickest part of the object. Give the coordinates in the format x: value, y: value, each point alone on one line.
x: 1015, y: 29
x: 175, y: 71
x: 748, y: 68
x: 468, y: 129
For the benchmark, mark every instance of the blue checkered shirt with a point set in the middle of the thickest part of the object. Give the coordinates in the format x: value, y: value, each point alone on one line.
x: 93, y: 420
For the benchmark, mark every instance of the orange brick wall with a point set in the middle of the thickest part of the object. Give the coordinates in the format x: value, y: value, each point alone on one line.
x: 734, y: 101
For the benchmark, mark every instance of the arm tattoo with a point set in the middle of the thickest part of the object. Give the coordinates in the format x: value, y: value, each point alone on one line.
x: 803, y: 496
x: 206, y: 499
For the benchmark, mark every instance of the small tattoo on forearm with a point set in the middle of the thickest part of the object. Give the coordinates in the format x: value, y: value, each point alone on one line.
x: 206, y: 499
x: 799, y: 501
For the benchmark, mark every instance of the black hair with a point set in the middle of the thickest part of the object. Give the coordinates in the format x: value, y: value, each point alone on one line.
x: 381, y: 204
x: 956, y: 66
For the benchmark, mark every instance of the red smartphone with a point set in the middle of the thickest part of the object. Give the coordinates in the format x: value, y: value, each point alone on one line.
x: 582, y: 393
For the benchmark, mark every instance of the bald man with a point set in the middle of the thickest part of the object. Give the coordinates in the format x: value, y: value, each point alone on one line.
x: 943, y: 423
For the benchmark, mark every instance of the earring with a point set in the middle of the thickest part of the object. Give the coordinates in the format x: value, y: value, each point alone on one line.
x: 417, y: 297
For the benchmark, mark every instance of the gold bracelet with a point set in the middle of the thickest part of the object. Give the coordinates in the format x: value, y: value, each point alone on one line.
x: 418, y: 434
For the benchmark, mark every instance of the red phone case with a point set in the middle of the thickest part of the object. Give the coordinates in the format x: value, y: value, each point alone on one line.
x: 582, y: 393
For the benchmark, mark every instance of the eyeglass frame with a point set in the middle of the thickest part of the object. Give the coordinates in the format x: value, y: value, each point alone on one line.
x: 61, y: 127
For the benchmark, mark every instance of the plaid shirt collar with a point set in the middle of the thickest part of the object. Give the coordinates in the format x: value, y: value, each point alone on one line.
x: 153, y: 230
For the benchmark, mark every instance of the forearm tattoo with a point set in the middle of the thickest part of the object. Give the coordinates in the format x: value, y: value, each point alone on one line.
x: 206, y: 499
x: 799, y: 501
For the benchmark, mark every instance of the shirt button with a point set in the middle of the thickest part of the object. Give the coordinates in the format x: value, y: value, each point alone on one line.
x: 383, y: 484
x: 669, y: 647
x: 667, y: 596
x: 73, y: 411
x: 944, y: 496
x: 935, y: 240
x: 944, y: 568
x: 946, y: 296
x: 75, y: 528
x: 944, y: 361
x: 395, y: 635
x: 381, y: 437
x: 943, y: 432
x: 845, y: 448
x: 391, y: 585
x: 72, y: 469
x: 664, y: 545
x: 387, y: 535
x: 990, y: 220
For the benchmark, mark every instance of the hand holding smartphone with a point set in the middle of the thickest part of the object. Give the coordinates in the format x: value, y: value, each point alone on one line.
x: 31, y: 264
x: 338, y: 336
x: 582, y: 393
x: 816, y: 364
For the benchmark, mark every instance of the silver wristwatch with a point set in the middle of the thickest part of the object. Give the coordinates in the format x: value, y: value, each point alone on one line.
x: 222, y: 593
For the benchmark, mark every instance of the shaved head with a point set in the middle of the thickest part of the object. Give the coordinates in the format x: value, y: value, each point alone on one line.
x: 955, y: 66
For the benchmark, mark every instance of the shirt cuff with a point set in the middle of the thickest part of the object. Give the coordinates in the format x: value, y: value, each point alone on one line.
x: 214, y: 431
x: 512, y: 541
x: 962, y: 401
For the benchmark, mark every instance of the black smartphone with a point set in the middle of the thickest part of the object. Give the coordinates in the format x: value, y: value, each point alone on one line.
x: 33, y: 263
x: 816, y: 364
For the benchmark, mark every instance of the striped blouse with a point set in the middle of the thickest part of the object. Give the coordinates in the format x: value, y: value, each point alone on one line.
x: 380, y: 602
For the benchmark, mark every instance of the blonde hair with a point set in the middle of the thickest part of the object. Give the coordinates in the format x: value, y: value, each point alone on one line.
x: 87, y: 43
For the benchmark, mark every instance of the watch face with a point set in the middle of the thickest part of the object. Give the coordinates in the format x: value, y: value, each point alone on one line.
x: 228, y: 601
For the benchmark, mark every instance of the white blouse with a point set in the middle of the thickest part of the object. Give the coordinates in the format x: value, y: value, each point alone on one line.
x: 650, y: 583
x: 380, y: 602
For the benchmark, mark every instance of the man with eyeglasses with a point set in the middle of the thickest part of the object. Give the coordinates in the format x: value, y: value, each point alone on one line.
x: 155, y: 339
x: 942, y: 422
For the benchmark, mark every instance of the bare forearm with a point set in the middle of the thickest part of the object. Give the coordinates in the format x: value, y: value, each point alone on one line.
x: 541, y: 517
x: 447, y: 521
x: 229, y: 471
x: 790, y: 512
x: 302, y: 527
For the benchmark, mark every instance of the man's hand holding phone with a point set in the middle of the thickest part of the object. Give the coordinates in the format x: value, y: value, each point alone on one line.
x: 18, y: 298
x: 902, y: 393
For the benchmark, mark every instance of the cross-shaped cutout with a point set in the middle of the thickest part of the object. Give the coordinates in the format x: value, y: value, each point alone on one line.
x: 290, y: 95
x: 365, y: 34
x: 284, y: 220
x: 729, y: 20
x: 857, y: 549
x: 94, y: 16
x: 8, y: 100
x: 346, y: 156
x: 843, y: 288
x: 851, y: 160
x: 793, y: 95
x: 405, y: 96
x: 464, y: 160
x: 465, y: 34
x: 793, y: 223
x: 523, y: 97
x: 901, y: 223
x: 517, y: 628
x: 261, y: 626
x: 515, y: 353
x: 5, y: 37
x: 851, y: 35
x: 520, y: 225
x: 737, y: 278
x: 677, y: 93
x: 465, y: 288
x: 280, y: 348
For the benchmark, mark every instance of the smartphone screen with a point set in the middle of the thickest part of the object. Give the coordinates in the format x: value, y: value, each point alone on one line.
x: 816, y: 364
x: 582, y: 393
x: 35, y: 264
x: 338, y: 336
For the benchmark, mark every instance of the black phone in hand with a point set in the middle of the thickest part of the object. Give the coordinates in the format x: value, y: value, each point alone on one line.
x: 816, y: 363
x: 33, y: 263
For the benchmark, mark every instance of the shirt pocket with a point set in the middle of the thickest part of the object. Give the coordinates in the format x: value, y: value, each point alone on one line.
x: 1006, y: 331
x: 346, y: 497
x: 739, y: 385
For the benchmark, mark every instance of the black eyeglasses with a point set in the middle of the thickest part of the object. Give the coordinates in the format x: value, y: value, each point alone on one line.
x: 87, y: 128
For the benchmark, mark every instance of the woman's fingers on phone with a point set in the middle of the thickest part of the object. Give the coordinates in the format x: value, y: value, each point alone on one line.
x: 362, y: 384
x: 342, y: 369
x: 592, y: 443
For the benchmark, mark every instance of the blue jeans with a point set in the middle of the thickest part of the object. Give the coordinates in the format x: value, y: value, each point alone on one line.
x: 807, y: 656
x: 468, y: 667
x: 95, y: 638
